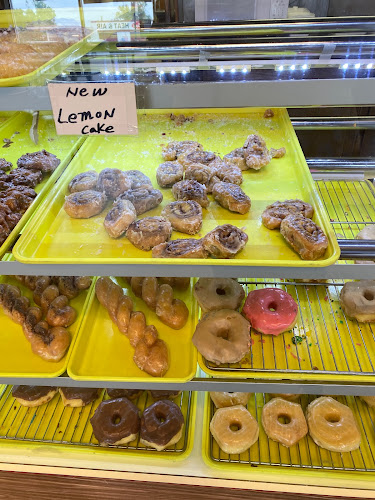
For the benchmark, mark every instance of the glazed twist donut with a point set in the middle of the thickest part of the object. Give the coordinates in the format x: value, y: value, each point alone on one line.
x: 159, y: 298
x: 151, y: 353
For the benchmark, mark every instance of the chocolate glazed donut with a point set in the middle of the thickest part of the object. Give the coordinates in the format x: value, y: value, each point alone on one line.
x: 161, y: 425
x: 116, y: 421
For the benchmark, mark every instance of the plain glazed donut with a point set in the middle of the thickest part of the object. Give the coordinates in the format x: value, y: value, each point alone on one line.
x: 234, y: 429
x: 332, y: 425
x: 222, y: 336
x: 161, y: 425
x: 218, y: 293
x: 224, y: 399
x: 290, y: 432
x: 370, y: 400
x: 287, y: 397
x: 115, y: 421
x: 357, y: 299
x: 270, y: 310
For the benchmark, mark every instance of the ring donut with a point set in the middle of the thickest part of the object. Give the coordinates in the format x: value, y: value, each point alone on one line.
x: 222, y: 336
x: 234, y: 429
x: 218, y: 293
x: 161, y: 425
x: 357, y: 299
x: 225, y: 399
x: 292, y: 430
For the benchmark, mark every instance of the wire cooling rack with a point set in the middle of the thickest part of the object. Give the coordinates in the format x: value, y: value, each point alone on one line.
x: 305, y: 454
x: 56, y: 424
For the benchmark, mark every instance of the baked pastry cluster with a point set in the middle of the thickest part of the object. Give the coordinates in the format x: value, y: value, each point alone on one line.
x: 331, y: 424
x: 45, y: 323
x: 17, y: 187
x: 293, y: 218
x: 150, y: 352
x: 118, y: 421
x: 24, y: 50
x: 159, y: 297
x: 74, y: 397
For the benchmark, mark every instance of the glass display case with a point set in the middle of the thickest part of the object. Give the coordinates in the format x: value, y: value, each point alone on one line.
x: 273, y: 101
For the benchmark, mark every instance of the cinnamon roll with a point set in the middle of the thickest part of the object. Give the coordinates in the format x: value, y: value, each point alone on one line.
x: 191, y: 190
x: 85, y: 204
x: 184, y: 216
x: 169, y: 173
x: 181, y: 249
x: 143, y: 199
x: 225, y: 241
x: 256, y: 153
x: 275, y: 213
x: 304, y: 236
x: 119, y: 218
x: 232, y: 197
x: 148, y: 232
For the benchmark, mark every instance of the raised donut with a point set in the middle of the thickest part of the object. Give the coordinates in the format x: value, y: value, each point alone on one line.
x: 222, y: 336
x: 224, y: 399
x: 161, y: 425
x: 357, y: 299
x: 332, y: 425
x: 116, y: 421
x: 218, y: 293
x: 32, y: 395
x: 289, y: 432
x: 270, y: 310
x: 124, y: 393
x: 158, y: 395
x: 287, y: 397
x: 84, y: 204
x: 77, y: 397
x: 370, y: 400
x: 234, y: 429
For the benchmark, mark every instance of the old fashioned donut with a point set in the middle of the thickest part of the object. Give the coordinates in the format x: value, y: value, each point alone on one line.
x: 124, y: 393
x: 369, y: 400
x: 270, y: 310
x: 357, y: 299
x: 213, y: 294
x: 292, y: 430
x: 85, y: 204
x: 224, y: 399
x: 234, y: 429
x: 222, y: 336
x: 161, y: 425
x: 116, y: 422
x: 332, y: 425
x: 32, y: 395
x: 75, y: 397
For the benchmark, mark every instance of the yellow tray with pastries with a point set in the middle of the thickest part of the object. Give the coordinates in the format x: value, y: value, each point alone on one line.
x: 272, y: 451
x: 38, y: 337
x: 138, y: 329
x: 83, y: 223
x: 31, y: 175
x: 34, y: 417
x: 32, y: 54
x: 282, y: 329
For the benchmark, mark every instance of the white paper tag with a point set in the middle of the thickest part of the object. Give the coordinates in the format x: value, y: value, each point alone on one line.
x: 94, y: 108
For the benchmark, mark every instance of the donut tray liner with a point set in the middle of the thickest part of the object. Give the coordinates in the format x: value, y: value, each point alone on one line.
x: 53, y: 423
x: 303, y: 455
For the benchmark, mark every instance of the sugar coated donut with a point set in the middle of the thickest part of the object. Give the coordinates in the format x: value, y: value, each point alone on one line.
x: 115, y: 421
x: 222, y: 336
x: 270, y: 310
x: 287, y: 397
x: 218, y: 293
x: 294, y: 427
x: 161, y: 425
x: 332, y: 425
x: 234, y: 429
x: 370, y: 400
x: 224, y: 399
x: 357, y: 299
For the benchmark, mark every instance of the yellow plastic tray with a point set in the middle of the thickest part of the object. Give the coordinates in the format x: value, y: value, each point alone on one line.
x: 334, y: 348
x: 103, y: 353
x: 16, y: 356
x: 69, y: 429
x: 64, y: 146
x: 56, y: 238
x: 54, y: 66
x: 267, y: 458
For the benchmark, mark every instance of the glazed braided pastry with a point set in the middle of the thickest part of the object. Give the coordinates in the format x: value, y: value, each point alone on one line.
x: 50, y: 343
x: 159, y: 298
x: 151, y: 353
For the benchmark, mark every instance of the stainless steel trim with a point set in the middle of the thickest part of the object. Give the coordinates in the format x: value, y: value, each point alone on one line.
x: 350, y: 123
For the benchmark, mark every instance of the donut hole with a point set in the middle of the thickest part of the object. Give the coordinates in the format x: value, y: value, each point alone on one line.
x: 221, y: 291
x: 368, y: 295
x: 116, y: 418
x: 235, y: 426
x: 272, y: 306
x: 161, y: 418
x: 284, y: 419
x: 223, y: 333
x: 333, y: 418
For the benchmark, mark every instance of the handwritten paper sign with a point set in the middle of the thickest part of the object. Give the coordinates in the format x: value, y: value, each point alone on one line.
x: 94, y: 108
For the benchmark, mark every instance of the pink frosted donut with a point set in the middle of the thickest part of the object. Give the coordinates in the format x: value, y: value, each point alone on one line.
x: 270, y: 310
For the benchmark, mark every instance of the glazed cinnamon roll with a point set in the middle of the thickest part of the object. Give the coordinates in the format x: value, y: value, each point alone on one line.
x: 191, y: 190
x: 85, y: 204
x: 236, y: 158
x: 275, y: 213
x: 181, y: 249
x: 138, y: 179
x: 176, y: 148
x: 225, y: 241
x: 143, y: 199
x: 184, y: 216
x: 304, y: 236
x: 255, y: 152
x: 119, y: 218
x: 169, y: 173
x: 199, y: 172
x: 232, y: 197
x: 83, y: 181
x: 205, y: 157
x: 113, y: 182
x: 148, y: 232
